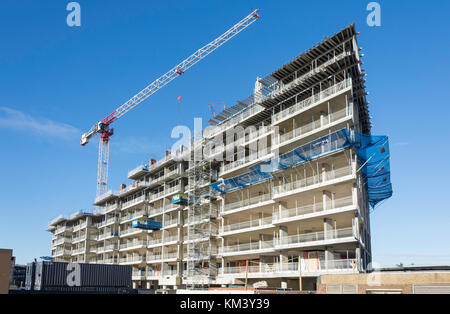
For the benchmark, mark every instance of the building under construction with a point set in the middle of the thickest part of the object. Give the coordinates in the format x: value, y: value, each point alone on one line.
x: 276, y: 192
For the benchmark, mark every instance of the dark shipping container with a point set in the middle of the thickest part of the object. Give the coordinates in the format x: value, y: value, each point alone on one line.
x: 65, y: 277
x: 29, y: 277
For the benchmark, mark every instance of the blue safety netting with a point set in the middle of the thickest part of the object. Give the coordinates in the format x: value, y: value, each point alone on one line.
x: 373, y: 156
x: 372, y: 152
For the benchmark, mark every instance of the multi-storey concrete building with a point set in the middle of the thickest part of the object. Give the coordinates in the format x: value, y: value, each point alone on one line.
x: 314, y: 214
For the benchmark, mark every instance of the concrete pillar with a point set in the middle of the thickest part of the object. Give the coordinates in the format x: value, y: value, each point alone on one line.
x: 323, y: 120
x: 326, y: 200
x: 325, y: 169
x: 358, y: 258
x: 284, y: 284
x: 282, y: 233
x: 328, y: 257
x: 281, y: 206
x: 327, y: 227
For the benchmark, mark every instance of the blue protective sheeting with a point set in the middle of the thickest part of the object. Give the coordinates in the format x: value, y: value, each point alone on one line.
x: 373, y: 155
x: 372, y: 152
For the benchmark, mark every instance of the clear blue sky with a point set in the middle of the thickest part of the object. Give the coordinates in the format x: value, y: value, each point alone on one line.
x: 56, y: 81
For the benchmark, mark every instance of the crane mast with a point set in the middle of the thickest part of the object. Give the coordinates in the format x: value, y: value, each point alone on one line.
x: 103, y: 127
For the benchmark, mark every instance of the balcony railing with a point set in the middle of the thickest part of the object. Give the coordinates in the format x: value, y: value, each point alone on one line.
x: 316, y: 236
x: 154, y: 257
x: 107, y: 222
x: 154, y: 242
x: 308, y: 102
x: 78, y: 251
x: 250, y: 246
x: 134, y: 186
x: 63, y: 240
x: 313, y: 208
x: 137, y: 169
x: 243, y: 161
x: 63, y: 229
x: 341, y: 265
x: 170, y: 222
x: 156, y: 195
x: 173, y: 189
x: 133, y: 216
x: 247, y: 224
x: 247, y: 202
x: 133, y: 201
x: 155, y: 211
x: 133, y: 244
x: 280, y: 89
x: 171, y: 238
x: 130, y: 230
x: 134, y: 259
x: 312, y: 126
x: 312, y: 180
x: 238, y: 118
x: 170, y: 255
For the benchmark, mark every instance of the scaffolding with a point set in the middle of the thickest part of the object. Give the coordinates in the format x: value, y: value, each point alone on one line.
x: 201, y: 220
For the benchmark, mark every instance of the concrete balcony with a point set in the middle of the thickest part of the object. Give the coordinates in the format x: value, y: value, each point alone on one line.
x: 314, y: 269
x: 246, y: 226
x: 64, y: 229
x: 102, y: 199
x: 64, y: 240
x: 255, y: 201
x: 107, y: 235
x: 326, y: 178
x: 110, y: 208
x: 170, y: 256
x: 154, y: 258
x: 257, y: 247
x: 136, y: 201
x: 107, y: 222
x: 316, y: 99
x: 135, y: 215
x: 132, y: 260
x: 133, y: 245
x: 79, y: 251
x: 302, y: 240
x: 156, y: 196
x: 170, y: 239
x: 172, y: 174
x: 154, y: 242
x: 138, y: 172
x: 173, y: 190
x: 79, y: 239
x: 107, y: 248
x: 130, y: 232
x: 249, y: 112
x: 62, y: 252
x: 249, y: 160
x: 134, y: 187
x: 155, y: 211
x: 314, y: 210
x: 325, y: 122
x: 170, y: 223
x: 279, y: 88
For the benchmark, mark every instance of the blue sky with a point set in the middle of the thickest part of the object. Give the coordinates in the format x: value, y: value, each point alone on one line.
x: 56, y: 81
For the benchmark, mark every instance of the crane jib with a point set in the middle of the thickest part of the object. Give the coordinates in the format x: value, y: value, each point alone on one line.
x: 102, y: 127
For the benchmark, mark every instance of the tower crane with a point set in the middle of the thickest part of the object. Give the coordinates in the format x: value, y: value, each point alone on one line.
x: 103, y: 126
